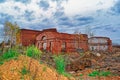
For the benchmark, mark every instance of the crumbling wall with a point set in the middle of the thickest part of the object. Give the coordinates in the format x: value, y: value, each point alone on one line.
x: 28, y: 37
x: 100, y: 44
x: 61, y: 42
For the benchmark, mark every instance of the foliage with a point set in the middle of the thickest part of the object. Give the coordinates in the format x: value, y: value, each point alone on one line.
x: 24, y: 71
x: 1, y: 63
x: 105, y: 73
x: 33, y: 51
x: 11, y: 53
x: 10, y: 31
x: 66, y: 74
x: 60, y: 63
x: 44, y: 68
x: 99, y: 73
x: 81, y: 74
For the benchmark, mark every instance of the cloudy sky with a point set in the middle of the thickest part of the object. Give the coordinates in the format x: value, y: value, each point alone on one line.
x: 102, y: 16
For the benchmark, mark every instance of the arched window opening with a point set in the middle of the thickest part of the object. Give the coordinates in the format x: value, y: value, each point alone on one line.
x: 44, y: 45
x: 63, y: 47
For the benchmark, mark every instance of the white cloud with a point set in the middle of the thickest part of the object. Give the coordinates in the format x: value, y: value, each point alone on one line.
x: 8, y: 7
x: 84, y: 8
x: 76, y: 7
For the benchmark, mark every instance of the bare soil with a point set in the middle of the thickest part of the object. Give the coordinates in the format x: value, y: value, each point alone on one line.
x: 11, y: 70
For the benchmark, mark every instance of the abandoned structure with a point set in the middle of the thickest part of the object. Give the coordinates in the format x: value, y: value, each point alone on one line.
x: 28, y: 37
x: 51, y: 40
x: 56, y: 42
x: 100, y: 44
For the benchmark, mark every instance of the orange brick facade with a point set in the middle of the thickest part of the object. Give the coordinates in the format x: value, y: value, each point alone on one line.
x: 28, y: 37
x: 56, y: 42
x: 52, y: 41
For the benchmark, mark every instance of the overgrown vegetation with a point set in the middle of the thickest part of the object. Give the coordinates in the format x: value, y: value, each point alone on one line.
x: 99, y: 73
x: 33, y: 52
x: 24, y: 71
x: 11, y: 53
x: 60, y: 65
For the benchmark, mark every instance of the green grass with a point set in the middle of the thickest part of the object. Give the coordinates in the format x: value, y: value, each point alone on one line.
x: 33, y: 52
x: 10, y: 54
x: 1, y: 63
x: 24, y: 71
x: 81, y: 74
x: 44, y: 68
x: 60, y: 65
x: 99, y: 73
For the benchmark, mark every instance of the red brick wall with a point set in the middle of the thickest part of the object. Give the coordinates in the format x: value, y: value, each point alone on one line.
x: 55, y: 40
x: 28, y: 36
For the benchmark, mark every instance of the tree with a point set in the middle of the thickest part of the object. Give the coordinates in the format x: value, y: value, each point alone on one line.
x: 89, y: 31
x: 10, y: 32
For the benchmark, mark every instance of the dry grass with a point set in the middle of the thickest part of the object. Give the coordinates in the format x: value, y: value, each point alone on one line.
x: 11, y: 70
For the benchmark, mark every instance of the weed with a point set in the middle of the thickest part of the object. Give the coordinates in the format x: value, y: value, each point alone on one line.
x: 24, y: 71
x: 66, y: 74
x: 41, y: 62
x: 44, y: 68
x: 99, y: 73
x: 94, y: 74
x: 1, y: 63
x: 33, y: 51
x: 105, y: 73
x: 81, y: 74
x: 11, y: 53
x: 60, y: 63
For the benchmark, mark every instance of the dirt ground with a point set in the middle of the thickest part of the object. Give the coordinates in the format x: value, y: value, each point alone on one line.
x: 12, y: 70
x: 82, y: 65
x: 89, y: 61
x: 106, y: 61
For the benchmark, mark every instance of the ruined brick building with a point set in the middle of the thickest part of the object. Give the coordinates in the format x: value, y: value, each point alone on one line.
x: 100, y: 44
x: 53, y: 41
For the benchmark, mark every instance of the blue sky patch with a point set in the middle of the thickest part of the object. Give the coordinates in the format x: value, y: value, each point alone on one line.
x: 101, y: 16
x: 44, y: 4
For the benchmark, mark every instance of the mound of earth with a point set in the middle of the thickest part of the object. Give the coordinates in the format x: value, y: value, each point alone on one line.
x: 26, y: 68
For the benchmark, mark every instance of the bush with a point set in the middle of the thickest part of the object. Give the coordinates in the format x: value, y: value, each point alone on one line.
x: 1, y: 63
x: 60, y: 63
x: 11, y: 53
x: 33, y: 51
x: 24, y: 71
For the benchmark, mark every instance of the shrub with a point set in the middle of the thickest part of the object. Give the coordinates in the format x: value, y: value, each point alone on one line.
x: 33, y: 51
x: 1, y: 63
x: 11, y: 53
x: 24, y: 71
x: 60, y: 63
